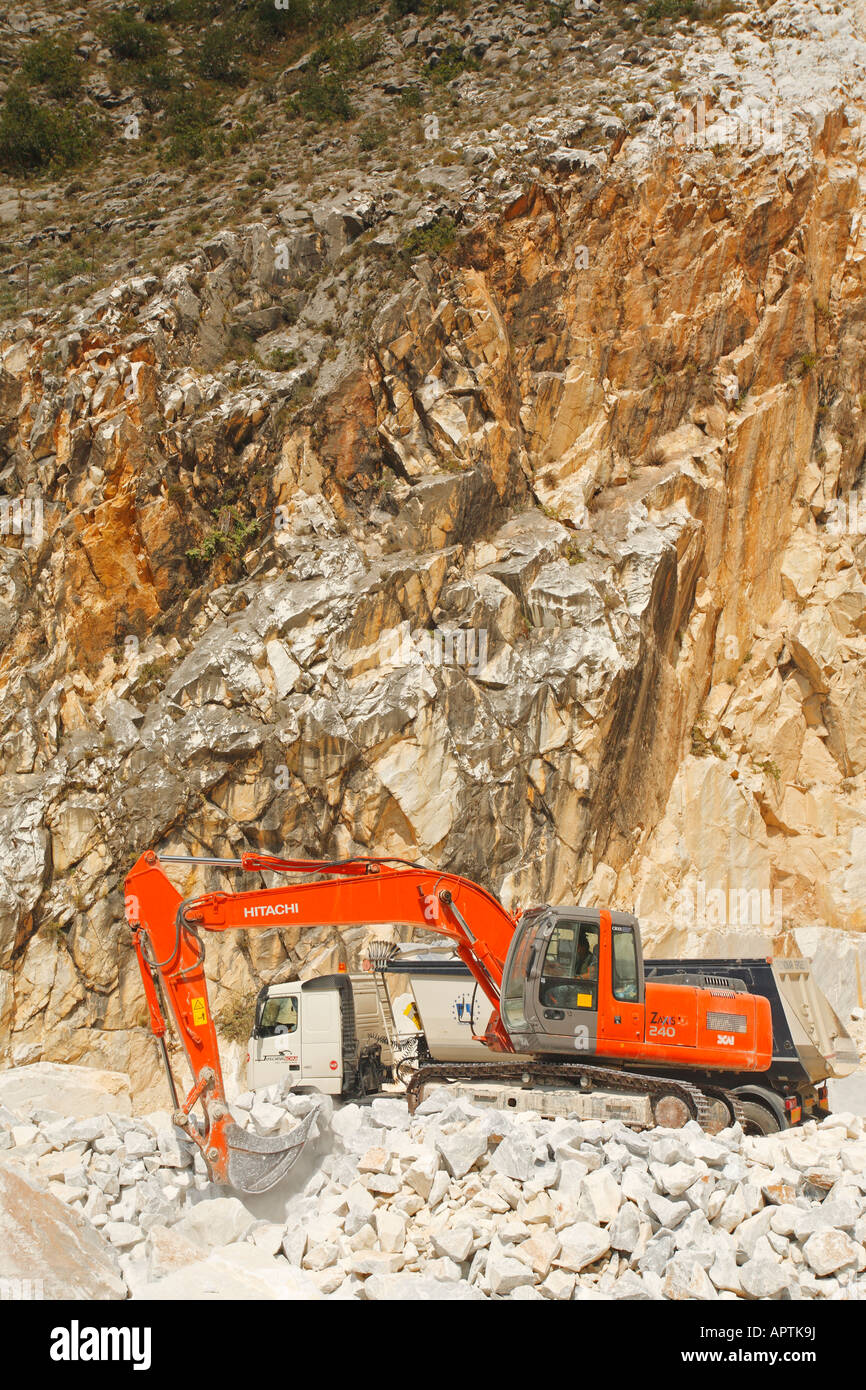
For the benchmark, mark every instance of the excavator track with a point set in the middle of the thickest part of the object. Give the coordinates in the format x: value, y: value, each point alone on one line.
x: 580, y: 1076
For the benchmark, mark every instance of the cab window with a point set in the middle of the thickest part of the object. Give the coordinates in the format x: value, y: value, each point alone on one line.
x: 625, y: 983
x: 279, y: 1015
x: 569, y: 974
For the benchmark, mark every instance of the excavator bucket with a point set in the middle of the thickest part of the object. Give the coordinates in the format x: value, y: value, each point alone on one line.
x: 258, y: 1162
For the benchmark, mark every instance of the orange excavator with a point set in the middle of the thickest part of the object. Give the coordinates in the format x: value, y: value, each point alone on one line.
x: 570, y: 1004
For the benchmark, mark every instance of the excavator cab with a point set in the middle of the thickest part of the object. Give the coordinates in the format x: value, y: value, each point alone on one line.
x: 571, y: 976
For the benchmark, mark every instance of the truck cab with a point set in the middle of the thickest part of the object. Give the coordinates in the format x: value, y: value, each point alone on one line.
x: 323, y: 1033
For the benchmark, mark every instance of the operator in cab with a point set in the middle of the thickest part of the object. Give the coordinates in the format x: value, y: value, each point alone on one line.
x: 562, y: 993
x: 586, y: 959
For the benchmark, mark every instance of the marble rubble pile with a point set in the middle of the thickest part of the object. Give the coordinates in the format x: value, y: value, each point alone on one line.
x: 455, y: 1202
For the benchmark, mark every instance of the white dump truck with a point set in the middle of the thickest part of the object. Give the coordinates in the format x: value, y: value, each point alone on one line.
x: 327, y: 1033
x: 346, y: 1034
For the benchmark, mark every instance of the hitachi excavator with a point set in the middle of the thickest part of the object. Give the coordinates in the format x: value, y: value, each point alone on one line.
x: 571, y: 1007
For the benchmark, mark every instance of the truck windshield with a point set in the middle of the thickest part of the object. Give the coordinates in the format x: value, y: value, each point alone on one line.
x: 279, y: 1015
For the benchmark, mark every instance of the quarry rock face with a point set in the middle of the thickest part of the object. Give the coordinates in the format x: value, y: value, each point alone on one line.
x: 558, y: 581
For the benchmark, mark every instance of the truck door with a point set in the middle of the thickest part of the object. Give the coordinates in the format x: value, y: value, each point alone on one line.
x: 275, y: 1051
x: 568, y: 984
x: 323, y: 1036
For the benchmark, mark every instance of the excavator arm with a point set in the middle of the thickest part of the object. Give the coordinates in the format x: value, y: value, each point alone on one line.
x: 166, y: 938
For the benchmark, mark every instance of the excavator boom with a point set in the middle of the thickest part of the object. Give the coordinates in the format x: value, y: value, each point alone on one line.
x: 170, y: 954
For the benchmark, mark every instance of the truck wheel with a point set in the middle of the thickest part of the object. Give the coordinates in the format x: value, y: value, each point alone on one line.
x: 759, y: 1119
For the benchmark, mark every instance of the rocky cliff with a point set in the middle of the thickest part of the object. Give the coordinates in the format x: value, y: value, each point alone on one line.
x: 522, y: 534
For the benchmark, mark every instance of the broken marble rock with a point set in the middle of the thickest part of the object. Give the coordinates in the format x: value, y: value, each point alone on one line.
x: 686, y: 1278
x: 766, y: 1278
x: 581, y: 1245
x: 462, y: 1202
x: 217, y: 1221
x: 462, y: 1149
x: 418, y: 1288
x: 830, y: 1251
x: 234, y: 1271
x: 49, y: 1248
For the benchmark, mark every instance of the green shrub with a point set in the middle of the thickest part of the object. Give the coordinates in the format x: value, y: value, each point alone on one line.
x: 282, y: 359
x: 432, y: 240
x: 52, y: 930
x: 690, y: 9
x: 411, y: 98
x: 262, y: 20
x: 235, y: 1020
x: 52, y: 63
x: 400, y: 8
x: 158, y: 75
x: 36, y: 137
x: 769, y: 768
x: 130, y: 39
x: 182, y: 11
x: 190, y: 125
x: 240, y: 136
x: 703, y: 746
x: 218, y: 58
x: 323, y: 97
x: 295, y: 16
x: 150, y: 679
x: 67, y: 265
x: 372, y: 135
x: 333, y: 15
x: 673, y: 9
x: 452, y: 61
x: 346, y: 56
x: 232, y: 541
